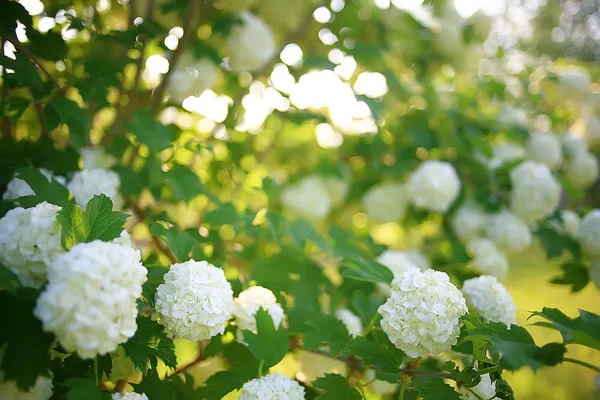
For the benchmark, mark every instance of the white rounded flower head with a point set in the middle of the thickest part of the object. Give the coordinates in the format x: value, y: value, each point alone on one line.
x: 42, y: 390
x: 535, y: 193
x: 399, y: 262
x: 129, y: 396
x: 422, y: 314
x: 191, y: 77
x: 90, y: 300
x: 272, y: 387
x: 96, y: 157
x: 545, y: 148
x: 307, y: 198
x: 250, y: 45
x: 588, y: 234
x: 469, y: 221
x: 594, y: 272
x: 351, y: 321
x: 573, y: 146
x: 570, y: 222
x: 17, y: 187
x: 434, y: 186
x: 385, y: 202
x: 29, y: 241
x: 490, y: 299
x: 508, y: 232
x: 90, y: 182
x: 487, y: 258
x: 195, y: 301
x: 486, y: 389
x: 250, y: 301
x: 513, y: 117
x: 505, y: 152
x: 573, y: 83
x: 582, y: 170
x: 122, y: 366
x: 337, y: 189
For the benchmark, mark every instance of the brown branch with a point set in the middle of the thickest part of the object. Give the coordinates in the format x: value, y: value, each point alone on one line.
x: 201, y: 357
x: 34, y: 59
x: 158, y: 244
x: 120, y: 386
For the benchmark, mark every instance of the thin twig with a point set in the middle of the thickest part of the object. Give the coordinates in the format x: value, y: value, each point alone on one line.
x: 201, y: 357
x: 158, y: 244
x: 582, y: 363
x: 120, y: 386
x: 34, y: 59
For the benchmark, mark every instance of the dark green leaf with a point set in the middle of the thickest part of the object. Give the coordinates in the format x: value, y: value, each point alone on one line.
x: 74, y: 225
x: 219, y: 384
x: 85, y: 389
x: 104, y: 223
x: 583, y: 330
x: 222, y: 215
x: 375, y: 354
x: 574, y: 274
x: 24, y: 73
x: 366, y: 270
x: 336, y: 387
x: 436, y: 390
x: 151, y: 132
x: 50, y: 46
x: 148, y: 342
x: 61, y: 110
x: 555, y: 243
x: 50, y: 191
x: 180, y: 243
x: 14, y: 107
x: 268, y: 344
x: 185, y: 183
x: 11, y: 13
x: 302, y: 231
x: 8, y: 279
x: 155, y: 388
x: 326, y: 329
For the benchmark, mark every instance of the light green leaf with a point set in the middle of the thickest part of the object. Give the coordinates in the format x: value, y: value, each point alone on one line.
x: 104, y: 223
x: 583, y: 330
x: 74, y: 224
x: 268, y: 344
x: 336, y: 387
x: 149, y: 342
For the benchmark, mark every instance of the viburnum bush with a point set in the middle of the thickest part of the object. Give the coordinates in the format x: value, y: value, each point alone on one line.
x: 204, y: 185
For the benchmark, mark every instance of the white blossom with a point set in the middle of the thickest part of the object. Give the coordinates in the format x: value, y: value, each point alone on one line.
x: 513, y: 117
x: 90, y: 302
x: 122, y: 366
x: 545, y: 148
x: 434, y: 186
x: 195, y: 301
x: 591, y: 128
x: 337, y: 189
x: 351, y: 321
x: 490, y: 299
x: 29, y: 241
x: 129, y: 396
x: 573, y: 146
x: 308, y: 198
x: 508, y: 232
x: 398, y: 262
x: 42, y: 390
x: 17, y: 187
x: 504, y: 152
x: 90, y: 182
x: 249, y: 302
x: 272, y: 387
x: 96, y: 157
x: 486, y: 389
x: 594, y: 272
x: 535, y: 193
x: 573, y: 83
x: 582, y: 170
x: 469, y: 221
x: 570, y: 222
x: 588, y: 234
x: 250, y: 45
x: 419, y: 259
x: 487, y: 258
x: 385, y: 202
x: 422, y: 315
x: 191, y: 77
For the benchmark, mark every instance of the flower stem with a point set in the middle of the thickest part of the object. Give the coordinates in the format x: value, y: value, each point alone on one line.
x: 261, y: 366
x: 371, y: 324
x: 583, y: 363
x: 96, y: 370
x: 488, y: 370
x: 402, y: 390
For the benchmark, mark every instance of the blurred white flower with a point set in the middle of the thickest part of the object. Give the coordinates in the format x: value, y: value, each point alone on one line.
x: 486, y: 389
x: 129, y: 396
x: 545, y: 148
x: 490, y: 299
x: 272, y: 387
x: 487, y: 258
x: 594, y: 272
x: 351, y: 321
x: 308, y: 198
x: 588, y: 234
x: 247, y: 304
x: 191, y: 77
x: 337, y: 189
x: 434, y: 186
x: 250, y: 45
x: 42, y: 390
x: 469, y: 221
x: 504, y: 152
x: 17, y: 187
x: 508, y: 232
x: 513, y: 117
x: 96, y: 157
x: 582, y: 170
x: 573, y: 83
x: 385, y: 202
x: 573, y: 146
x: 90, y: 182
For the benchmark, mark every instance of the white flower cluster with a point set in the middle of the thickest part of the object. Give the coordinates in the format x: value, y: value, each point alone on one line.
x: 545, y: 148
x: 535, y: 193
x: 588, y: 234
x: 508, y: 232
x: 90, y: 182
x: 422, y: 314
x: 129, y: 396
x: 17, y: 187
x: 486, y: 389
x: 191, y: 77
x: 42, y: 390
x: 96, y: 157
x: 487, y: 258
x: 581, y: 167
x: 29, y: 241
x: 513, y: 117
x: 434, y: 186
x: 122, y: 366
x: 469, y: 221
x: 590, y: 128
x: 569, y: 224
x: 399, y: 262
x: 90, y: 300
x: 594, y: 272
x: 504, y: 152
x: 313, y: 196
x: 351, y: 321
x: 249, y: 302
x: 195, y: 301
x: 250, y: 45
x: 272, y: 387
x: 573, y: 83
x: 385, y: 202
x: 490, y: 299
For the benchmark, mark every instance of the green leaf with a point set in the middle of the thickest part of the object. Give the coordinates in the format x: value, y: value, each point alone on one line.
x: 180, y: 243
x: 11, y: 13
x: 50, y: 46
x: 150, y: 131
x: 555, y: 243
x: 14, y: 107
x: 326, y: 329
x: 150, y: 342
x: 365, y: 306
x: 85, y: 389
x: 583, y: 330
x: 366, y: 270
x: 336, y: 387
x: 61, y: 110
x: 468, y: 376
x: 302, y: 231
x: 50, y: 191
x: 9, y: 281
x: 387, y: 359
x: 74, y: 225
x: 185, y: 183
x: 155, y: 388
x: 268, y: 344
x: 574, y: 274
x: 24, y: 73
x: 219, y: 384
x: 436, y: 390
x: 222, y: 215
x: 104, y: 223
x: 25, y: 340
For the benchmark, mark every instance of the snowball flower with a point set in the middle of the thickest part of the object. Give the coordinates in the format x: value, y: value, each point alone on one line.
x: 469, y: 221
x: 573, y: 83
x: 490, y: 299
x: 545, y: 148
x: 513, y: 117
x: 399, y: 262
x: 272, y: 387
x: 385, y: 202
x: 17, y: 187
x: 573, y: 146
x: 250, y: 45
x: 588, y: 234
x: 90, y: 182
x: 191, y: 77
x: 594, y: 272
x: 337, y: 188
x: 96, y: 157
x: 249, y: 302
x: 508, y: 232
x: 122, y: 366
x: 486, y: 389
x: 505, y: 152
x: 570, y: 222
x: 42, y: 390
x: 422, y: 315
x: 129, y: 396
x: 487, y: 258
x: 195, y: 301
x: 351, y: 321
x: 434, y: 186
x: 90, y: 302
x: 308, y: 198
x: 418, y: 259
x: 29, y: 241
x: 582, y: 170
x: 591, y: 129
x: 535, y: 193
